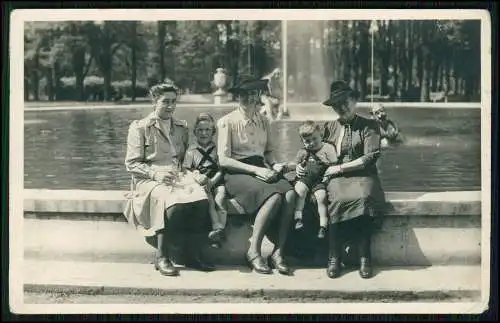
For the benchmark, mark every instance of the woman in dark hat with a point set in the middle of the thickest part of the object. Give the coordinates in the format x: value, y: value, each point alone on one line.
x: 355, y: 193
x: 245, y: 149
x: 166, y: 206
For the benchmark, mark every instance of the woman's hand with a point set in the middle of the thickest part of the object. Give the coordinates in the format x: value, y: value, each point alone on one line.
x: 300, y: 171
x: 165, y: 177
x: 332, y: 171
x: 278, y: 167
x: 201, y: 179
x: 266, y: 174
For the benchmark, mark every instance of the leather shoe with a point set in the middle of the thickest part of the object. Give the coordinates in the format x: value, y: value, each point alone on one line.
x: 258, y: 264
x: 277, y: 262
x: 165, y: 267
x: 334, y: 267
x: 200, y: 264
x: 365, y: 268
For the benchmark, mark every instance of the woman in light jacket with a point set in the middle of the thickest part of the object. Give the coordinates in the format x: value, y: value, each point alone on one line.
x: 166, y: 204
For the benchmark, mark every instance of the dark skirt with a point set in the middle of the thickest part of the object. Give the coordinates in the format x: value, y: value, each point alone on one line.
x: 353, y: 196
x: 183, y: 220
x: 251, y: 192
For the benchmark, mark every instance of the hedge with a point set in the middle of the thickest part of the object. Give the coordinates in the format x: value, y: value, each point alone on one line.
x: 94, y: 88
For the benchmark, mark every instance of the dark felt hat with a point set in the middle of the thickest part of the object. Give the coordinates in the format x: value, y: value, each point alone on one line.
x: 248, y: 83
x: 339, y: 92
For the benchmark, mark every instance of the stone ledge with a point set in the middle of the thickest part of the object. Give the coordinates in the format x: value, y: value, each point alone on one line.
x: 112, y: 202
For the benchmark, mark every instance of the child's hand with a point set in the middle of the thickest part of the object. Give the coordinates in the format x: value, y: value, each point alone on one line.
x: 211, y: 183
x: 301, y: 171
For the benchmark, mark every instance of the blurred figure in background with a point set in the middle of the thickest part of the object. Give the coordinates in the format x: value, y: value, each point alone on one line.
x: 271, y: 97
x: 389, y: 132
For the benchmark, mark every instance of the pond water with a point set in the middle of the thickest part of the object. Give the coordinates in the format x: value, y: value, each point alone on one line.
x: 85, y: 149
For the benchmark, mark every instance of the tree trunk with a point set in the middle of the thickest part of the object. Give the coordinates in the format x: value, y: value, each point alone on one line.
x: 385, y: 57
x: 36, y: 77
x: 26, y: 89
x: 134, y: 59
x: 364, y: 56
x: 346, y: 59
x: 338, y: 49
x: 106, y: 73
x: 161, y: 48
x: 397, y: 49
x: 420, y: 56
x: 354, y: 54
x: 426, y: 64
x: 411, y: 50
x: 435, y: 74
x: 403, y: 57
x: 446, y: 73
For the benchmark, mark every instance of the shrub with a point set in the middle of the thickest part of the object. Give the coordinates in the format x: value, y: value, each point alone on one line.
x: 94, y: 88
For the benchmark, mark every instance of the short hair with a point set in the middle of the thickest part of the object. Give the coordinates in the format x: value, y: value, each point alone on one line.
x: 158, y: 90
x: 308, y: 127
x: 204, y: 117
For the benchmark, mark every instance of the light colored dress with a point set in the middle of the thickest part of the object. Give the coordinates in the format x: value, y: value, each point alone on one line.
x: 155, y: 145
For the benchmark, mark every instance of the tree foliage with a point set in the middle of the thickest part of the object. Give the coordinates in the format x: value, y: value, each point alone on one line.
x: 105, y: 60
x: 411, y: 58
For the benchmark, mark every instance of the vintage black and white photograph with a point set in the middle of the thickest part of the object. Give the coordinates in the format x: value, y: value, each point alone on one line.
x: 260, y: 162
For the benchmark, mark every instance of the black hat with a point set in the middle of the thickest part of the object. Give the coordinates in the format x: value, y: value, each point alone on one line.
x: 339, y: 91
x: 249, y: 83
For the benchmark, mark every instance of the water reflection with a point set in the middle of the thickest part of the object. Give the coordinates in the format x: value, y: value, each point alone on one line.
x: 85, y: 149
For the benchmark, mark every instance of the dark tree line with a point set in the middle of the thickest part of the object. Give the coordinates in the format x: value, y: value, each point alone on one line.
x: 100, y: 60
x: 105, y: 60
x: 411, y: 58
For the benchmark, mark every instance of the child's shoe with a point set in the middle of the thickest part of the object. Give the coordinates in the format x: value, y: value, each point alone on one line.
x: 322, y: 232
x: 299, y: 224
x: 216, y: 236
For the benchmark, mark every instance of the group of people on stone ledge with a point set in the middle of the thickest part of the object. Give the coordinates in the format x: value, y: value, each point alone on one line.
x: 179, y: 192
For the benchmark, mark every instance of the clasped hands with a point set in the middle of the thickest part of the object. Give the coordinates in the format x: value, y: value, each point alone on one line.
x: 270, y: 175
x: 166, y: 176
x: 330, y: 171
x: 203, y: 180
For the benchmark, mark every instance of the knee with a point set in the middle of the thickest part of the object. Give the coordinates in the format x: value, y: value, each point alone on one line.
x: 301, y: 189
x: 220, y: 196
x: 320, y: 197
x: 276, y: 199
x: 290, y: 196
x: 174, y: 215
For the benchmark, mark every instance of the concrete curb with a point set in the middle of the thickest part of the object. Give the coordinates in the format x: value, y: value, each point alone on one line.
x: 374, y: 296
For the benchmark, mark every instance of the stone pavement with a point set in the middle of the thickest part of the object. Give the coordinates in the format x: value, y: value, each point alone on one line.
x: 435, y: 282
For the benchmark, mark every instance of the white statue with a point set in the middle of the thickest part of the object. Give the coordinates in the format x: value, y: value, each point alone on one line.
x: 271, y: 98
x: 220, y: 79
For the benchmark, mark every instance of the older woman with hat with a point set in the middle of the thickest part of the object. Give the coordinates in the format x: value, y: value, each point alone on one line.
x: 355, y: 193
x: 245, y: 150
x: 166, y: 205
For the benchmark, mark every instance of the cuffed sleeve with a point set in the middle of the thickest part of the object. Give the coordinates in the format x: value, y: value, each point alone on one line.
x: 223, y: 139
x: 331, y: 154
x: 134, y: 159
x: 188, y: 160
x: 371, y: 143
x: 271, y: 143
